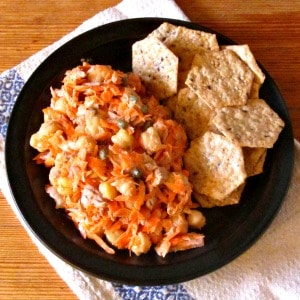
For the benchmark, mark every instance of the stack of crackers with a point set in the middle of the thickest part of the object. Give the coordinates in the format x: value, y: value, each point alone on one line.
x: 213, y: 91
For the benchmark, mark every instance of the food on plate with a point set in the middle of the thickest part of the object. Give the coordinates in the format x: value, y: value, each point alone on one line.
x: 209, y: 202
x: 192, y: 112
x: 245, y: 54
x: 252, y: 125
x: 215, y: 164
x: 156, y: 65
x: 115, y: 160
x: 254, y: 160
x: 184, y: 43
x: 127, y: 151
x: 228, y: 125
x: 220, y: 78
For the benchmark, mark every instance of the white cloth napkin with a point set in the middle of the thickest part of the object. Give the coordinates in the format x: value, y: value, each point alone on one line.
x: 268, y: 270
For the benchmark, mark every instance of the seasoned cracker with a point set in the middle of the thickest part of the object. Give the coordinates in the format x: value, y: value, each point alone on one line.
x: 164, y: 31
x: 185, y: 43
x: 232, y: 198
x: 156, y: 65
x: 244, y: 52
x: 193, y: 113
x: 254, y: 93
x: 254, y: 125
x: 254, y: 160
x: 191, y: 39
x: 220, y: 78
x: 185, y: 38
x: 215, y: 165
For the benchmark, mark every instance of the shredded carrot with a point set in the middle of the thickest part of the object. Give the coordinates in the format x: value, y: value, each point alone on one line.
x: 115, y: 160
x: 97, y: 165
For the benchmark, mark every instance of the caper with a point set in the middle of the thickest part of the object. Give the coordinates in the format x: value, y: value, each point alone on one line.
x: 122, y: 124
x: 133, y: 97
x: 146, y: 125
x: 103, y: 153
x: 136, y: 173
x: 87, y: 60
x: 144, y: 109
x: 124, y: 81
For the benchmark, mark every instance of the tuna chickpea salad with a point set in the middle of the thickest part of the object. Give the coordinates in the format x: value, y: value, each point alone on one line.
x: 116, y: 163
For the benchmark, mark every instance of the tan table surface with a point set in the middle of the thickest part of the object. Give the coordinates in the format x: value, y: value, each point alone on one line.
x: 271, y: 28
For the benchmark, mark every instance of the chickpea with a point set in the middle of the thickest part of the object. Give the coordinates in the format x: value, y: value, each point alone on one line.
x: 107, y: 190
x: 140, y: 243
x: 112, y: 236
x: 196, y: 219
x: 150, y: 140
x: 93, y: 128
x: 123, y: 139
x: 125, y: 186
x: 98, y: 73
x: 64, y: 186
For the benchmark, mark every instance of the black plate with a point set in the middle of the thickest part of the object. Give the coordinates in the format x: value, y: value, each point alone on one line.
x: 229, y: 231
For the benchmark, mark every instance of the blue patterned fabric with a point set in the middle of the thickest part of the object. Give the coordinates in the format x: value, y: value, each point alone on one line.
x: 168, y: 292
x: 10, y: 86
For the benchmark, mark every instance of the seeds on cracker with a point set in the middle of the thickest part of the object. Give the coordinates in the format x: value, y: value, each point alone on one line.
x: 164, y: 31
x: 217, y: 101
x: 156, y: 65
x: 192, y: 112
x: 233, y: 198
x: 216, y: 165
x: 182, y: 37
x: 244, y: 52
x: 220, y: 78
x: 184, y: 43
x: 253, y: 125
